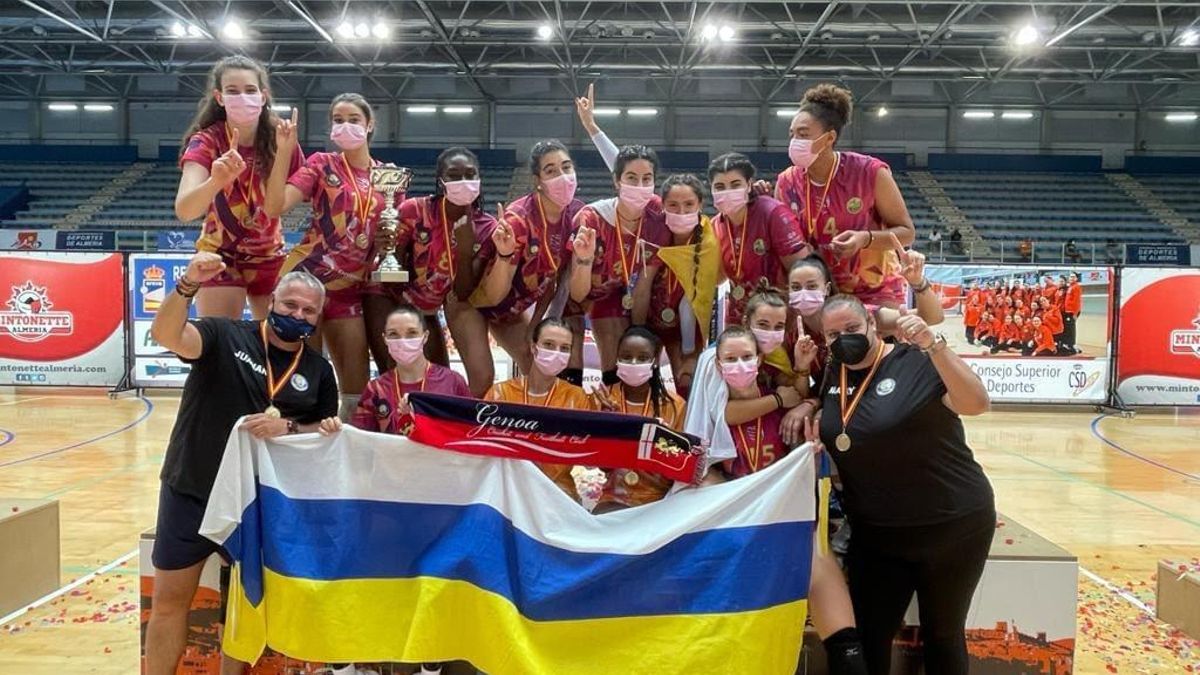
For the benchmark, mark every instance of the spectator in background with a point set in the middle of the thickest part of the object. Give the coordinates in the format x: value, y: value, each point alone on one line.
x: 935, y: 242
x: 1025, y: 249
x: 1112, y: 252
x: 956, y: 242
x: 1071, y: 252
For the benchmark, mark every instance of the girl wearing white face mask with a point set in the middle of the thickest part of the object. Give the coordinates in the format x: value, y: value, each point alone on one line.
x: 848, y: 204
x: 760, y: 237
x: 615, y: 240
x: 640, y: 392
x: 383, y: 406
x: 450, y: 247
x: 542, y: 223
x: 343, y: 237
x: 549, y: 352
x: 227, y: 152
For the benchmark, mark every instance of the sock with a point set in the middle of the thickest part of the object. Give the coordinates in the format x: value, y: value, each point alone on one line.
x: 349, y: 403
x: 572, y: 375
x: 609, y: 377
x: 844, y: 652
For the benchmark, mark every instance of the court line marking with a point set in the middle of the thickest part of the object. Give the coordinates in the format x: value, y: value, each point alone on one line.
x: 96, y: 480
x: 1096, y: 432
x: 8, y: 437
x: 69, y: 587
x: 1120, y: 592
x: 149, y: 408
x: 25, y: 400
x: 1103, y: 488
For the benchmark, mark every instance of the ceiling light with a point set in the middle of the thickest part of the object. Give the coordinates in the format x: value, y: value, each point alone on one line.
x: 789, y: 113
x: 421, y: 109
x: 457, y: 109
x: 1016, y: 115
x: 345, y: 30
x: 98, y: 107
x: 882, y: 111
x: 642, y: 112
x: 361, y: 30
x: 606, y: 112
x: 1027, y: 35
x: 178, y: 29
x: 1190, y: 38
x: 545, y: 31
x: 63, y: 107
x: 709, y: 33
x: 979, y: 114
x: 1182, y: 117
x: 232, y: 30
x: 381, y: 30
x: 726, y: 33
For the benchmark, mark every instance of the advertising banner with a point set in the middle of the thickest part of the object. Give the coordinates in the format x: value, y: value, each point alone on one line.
x: 994, y: 320
x: 177, y: 240
x: 79, y: 240
x: 151, y: 277
x: 26, y: 240
x: 1158, y: 254
x: 61, y: 319
x: 1159, y: 341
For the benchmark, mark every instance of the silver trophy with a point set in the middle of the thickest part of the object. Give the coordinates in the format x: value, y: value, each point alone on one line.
x: 389, y: 180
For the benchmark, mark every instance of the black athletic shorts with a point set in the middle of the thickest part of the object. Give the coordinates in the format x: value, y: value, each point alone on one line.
x: 177, y: 540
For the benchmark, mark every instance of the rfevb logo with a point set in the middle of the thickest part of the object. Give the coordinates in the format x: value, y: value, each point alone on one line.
x: 29, y: 318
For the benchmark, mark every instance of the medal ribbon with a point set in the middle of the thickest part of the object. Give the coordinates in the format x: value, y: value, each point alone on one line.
x: 273, y: 387
x: 625, y: 403
x: 813, y: 213
x: 848, y: 413
x: 396, y: 388
x: 549, y: 394
x: 363, y: 203
x: 546, y: 236
x: 626, y: 267
x: 752, y: 457
x: 449, y: 241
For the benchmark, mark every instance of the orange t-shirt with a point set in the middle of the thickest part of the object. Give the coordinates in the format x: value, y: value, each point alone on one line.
x: 984, y: 329
x: 561, y: 395
x: 1045, y: 340
x: 1009, y: 332
x: 1053, y: 318
x: 1074, y: 302
x: 971, y: 314
x: 634, y: 488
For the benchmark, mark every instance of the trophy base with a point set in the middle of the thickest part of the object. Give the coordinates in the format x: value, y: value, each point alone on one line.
x: 389, y: 276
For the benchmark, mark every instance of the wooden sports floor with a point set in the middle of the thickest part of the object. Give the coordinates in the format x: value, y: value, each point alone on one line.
x: 1120, y: 494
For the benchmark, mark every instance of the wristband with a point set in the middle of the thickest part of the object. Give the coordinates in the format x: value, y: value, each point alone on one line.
x: 505, y: 257
x: 870, y: 239
x: 583, y: 262
x: 186, y: 287
x: 778, y: 399
x: 923, y: 287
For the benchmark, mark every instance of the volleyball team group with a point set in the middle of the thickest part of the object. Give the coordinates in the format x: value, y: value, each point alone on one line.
x: 1013, y: 317
x: 818, y: 343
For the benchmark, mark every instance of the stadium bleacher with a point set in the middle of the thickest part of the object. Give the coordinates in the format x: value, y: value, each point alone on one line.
x: 1004, y: 207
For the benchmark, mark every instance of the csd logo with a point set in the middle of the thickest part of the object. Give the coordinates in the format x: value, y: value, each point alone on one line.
x: 1080, y: 380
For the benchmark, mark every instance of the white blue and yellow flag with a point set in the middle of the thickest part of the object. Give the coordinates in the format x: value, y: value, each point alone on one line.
x: 373, y: 548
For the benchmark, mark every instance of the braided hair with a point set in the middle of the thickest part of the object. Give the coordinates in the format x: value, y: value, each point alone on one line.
x: 692, y: 182
x: 658, y: 390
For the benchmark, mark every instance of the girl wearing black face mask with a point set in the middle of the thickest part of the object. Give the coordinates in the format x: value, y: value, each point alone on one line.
x: 922, y: 510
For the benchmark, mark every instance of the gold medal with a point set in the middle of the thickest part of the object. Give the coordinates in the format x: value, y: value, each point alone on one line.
x: 361, y: 240
x: 273, y: 385
x: 738, y: 292
x: 627, y: 302
x: 668, y: 315
x: 273, y: 412
x: 842, y: 441
x: 631, y: 478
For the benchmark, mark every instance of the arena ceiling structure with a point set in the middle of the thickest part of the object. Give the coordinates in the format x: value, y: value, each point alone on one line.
x: 1056, y: 54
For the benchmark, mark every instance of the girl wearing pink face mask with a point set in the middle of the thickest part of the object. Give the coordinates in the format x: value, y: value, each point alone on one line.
x: 615, y: 240
x: 383, y: 406
x: 227, y: 151
x: 541, y: 222
x: 340, y: 246
x: 452, y: 248
x: 848, y: 203
x: 640, y: 392
x: 543, y: 386
x: 759, y: 236
x: 757, y: 439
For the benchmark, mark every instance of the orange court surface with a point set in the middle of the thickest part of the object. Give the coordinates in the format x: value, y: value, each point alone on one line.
x: 1118, y: 493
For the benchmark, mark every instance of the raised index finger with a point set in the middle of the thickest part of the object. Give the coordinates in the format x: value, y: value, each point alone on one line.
x: 591, y: 97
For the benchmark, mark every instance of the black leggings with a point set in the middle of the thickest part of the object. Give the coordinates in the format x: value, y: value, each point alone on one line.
x: 941, y: 563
